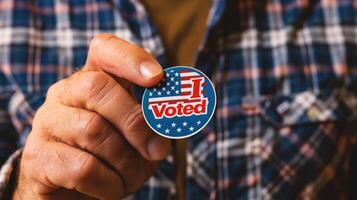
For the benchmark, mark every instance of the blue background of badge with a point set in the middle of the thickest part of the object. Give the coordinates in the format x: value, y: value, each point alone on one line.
x: 191, y: 120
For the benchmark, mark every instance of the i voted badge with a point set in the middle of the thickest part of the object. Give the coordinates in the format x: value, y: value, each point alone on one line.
x: 181, y: 104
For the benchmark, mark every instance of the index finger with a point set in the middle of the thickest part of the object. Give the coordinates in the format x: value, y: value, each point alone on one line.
x: 120, y: 58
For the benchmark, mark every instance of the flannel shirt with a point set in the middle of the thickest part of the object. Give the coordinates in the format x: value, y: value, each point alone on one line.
x: 285, y: 72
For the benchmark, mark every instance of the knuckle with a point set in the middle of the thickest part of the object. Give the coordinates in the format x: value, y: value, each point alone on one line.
x: 38, y: 117
x: 55, y: 90
x: 31, y: 150
x: 45, y: 118
x: 133, y: 119
x: 92, y: 81
x: 94, y: 128
x: 52, y: 89
x: 96, y: 85
x: 28, y: 154
x: 85, y: 166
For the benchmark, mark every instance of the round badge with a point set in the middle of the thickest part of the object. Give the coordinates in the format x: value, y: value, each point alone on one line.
x: 181, y: 104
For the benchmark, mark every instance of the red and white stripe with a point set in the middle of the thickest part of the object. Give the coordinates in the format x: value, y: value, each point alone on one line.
x: 186, y: 81
x: 186, y: 77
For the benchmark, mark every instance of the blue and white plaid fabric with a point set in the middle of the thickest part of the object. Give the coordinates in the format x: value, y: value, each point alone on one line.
x: 285, y: 73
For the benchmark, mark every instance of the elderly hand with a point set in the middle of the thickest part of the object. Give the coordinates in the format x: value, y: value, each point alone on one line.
x: 89, y: 139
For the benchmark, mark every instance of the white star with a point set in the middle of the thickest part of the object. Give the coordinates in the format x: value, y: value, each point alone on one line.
x: 176, y: 83
x: 172, y: 87
x: 184, y: 124
x: 199, y: 122
x: 191, y: 128
x: 176, y: 74
x: 176, y: 91
x: 158, y: 126
x: 154, y: 89
x: 167, y: 131
x: 173, y: 124
x: 172, y: 79
x: 168, y: 92
x: 150, y: 94
x: 163, y: 89
x: 168, y: 74
x: 172, y: 71
x: 178, y: 130
x: 167, y: 84
x: 159, y: 93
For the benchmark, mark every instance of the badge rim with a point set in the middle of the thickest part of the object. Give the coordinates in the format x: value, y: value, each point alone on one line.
x: 198, y: 130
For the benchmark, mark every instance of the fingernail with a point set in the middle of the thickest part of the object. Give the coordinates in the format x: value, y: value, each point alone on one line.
x: 150, y: 70
x: 158, y: 148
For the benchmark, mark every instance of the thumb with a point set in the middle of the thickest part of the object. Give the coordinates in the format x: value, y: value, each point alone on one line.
x: 122, y: 59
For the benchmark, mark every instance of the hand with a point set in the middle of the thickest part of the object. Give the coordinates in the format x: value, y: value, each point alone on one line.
x: 89, y: 139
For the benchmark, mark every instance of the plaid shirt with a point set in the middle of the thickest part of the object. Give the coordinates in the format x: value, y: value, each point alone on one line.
x: 285, y: 72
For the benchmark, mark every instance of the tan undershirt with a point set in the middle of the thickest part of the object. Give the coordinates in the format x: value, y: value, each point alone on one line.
x: 181, y: 25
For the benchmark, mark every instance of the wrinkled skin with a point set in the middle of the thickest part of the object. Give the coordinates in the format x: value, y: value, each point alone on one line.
x: 89, y: 138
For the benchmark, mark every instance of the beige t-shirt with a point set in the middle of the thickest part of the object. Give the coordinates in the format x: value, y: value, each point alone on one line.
x: 181, y: 25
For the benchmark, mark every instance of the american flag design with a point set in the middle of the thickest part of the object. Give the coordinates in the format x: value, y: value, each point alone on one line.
x: 181, y: 104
